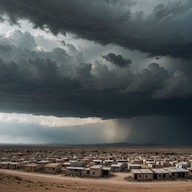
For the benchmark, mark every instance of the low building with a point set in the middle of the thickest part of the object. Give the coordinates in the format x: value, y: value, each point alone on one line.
x: 134, y: 166
x: 53, y: 168
x: 33, y: 167
x: 160, y: 174
x: 124, y: 165
x: 142, y: 174
x: 96, y: 171
x: 74, y: 171
x: 15, y: 165
x: 4, y: 165
x: 116, y: 167
x: 76, y: 163
x: 177, y: 172
x: 106, y: 171
x: 85, y: 172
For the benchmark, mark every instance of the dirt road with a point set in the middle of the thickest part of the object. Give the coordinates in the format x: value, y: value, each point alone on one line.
x: 56, y: 183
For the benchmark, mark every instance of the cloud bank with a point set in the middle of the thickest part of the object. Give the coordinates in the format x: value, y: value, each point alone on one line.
x: 60, y: 83
x: 164, y: 31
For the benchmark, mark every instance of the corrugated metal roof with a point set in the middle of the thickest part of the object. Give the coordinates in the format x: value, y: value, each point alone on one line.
x: 160, y: 171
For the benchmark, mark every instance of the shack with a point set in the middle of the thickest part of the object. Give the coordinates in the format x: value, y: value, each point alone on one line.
x: 116, y: 167
x: 96, y: 171
x: 142, y: 174
x: 134, y: 166
x: 74, y: 171
x: 160, y: 174
x: 177, y: 172
x: 53, y: 168
x: 33, y: 167
x: 106, y: 171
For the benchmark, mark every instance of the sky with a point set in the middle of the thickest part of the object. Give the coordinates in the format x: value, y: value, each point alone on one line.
x: 99, y: 71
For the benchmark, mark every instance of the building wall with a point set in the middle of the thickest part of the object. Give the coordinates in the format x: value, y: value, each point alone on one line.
x: 95, y: 172
x: 73, y: 172
x: 52, y: 169
x: 142, y: 176
x: 161, y: 176
x: 33, y: 169
x: 116, y: 169
x: 14, y: 166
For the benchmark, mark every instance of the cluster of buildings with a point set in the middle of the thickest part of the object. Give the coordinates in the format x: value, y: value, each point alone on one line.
x: 139, y: 166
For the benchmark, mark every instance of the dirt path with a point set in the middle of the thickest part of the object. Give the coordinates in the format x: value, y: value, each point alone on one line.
x: 113, y: 184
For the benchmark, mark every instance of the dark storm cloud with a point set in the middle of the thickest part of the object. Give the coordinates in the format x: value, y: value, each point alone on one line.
x: 165, y: 31
x: 117, y: 60
x: 55, y: 83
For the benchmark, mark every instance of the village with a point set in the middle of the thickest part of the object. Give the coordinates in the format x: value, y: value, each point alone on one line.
x: 136, y: 166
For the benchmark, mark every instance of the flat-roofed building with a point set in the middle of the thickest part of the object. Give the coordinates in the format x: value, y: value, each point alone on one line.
x: 96, y: 171
x: 85, y: 172
x: 142, y: 174
x: 124, y: 163
x: 160, y: 174
x: 106, y: 171
x: 15, y: 165
x: 116, y: 167
x: 4, y: 165
x: 74, y: 171
x: 133, y: 166
x: 53, y: 168
x: 175, y: 172
x: 33, y: 167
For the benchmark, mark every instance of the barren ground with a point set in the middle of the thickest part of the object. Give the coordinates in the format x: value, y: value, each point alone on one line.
x: 12, y: 181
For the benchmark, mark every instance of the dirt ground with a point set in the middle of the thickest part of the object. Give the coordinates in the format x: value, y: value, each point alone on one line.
x: 12, y: 181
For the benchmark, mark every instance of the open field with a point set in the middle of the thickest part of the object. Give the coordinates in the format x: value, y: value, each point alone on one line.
x: 12, y: 181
